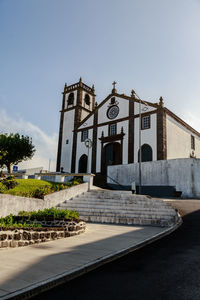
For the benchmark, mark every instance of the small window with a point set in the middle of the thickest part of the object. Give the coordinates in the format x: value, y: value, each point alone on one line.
x: 146, y: 122
x: 192, y: 142
x: 87, y: 99
x: 67, y: 141
x: 112, y: 101
x: 71, y: 99
x: 84, y: 135
x: 113, y: 129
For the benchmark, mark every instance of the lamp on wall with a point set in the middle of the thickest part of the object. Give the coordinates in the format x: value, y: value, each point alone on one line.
x: 88, y: 144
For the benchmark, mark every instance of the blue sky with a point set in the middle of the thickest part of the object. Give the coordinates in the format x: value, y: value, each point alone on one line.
x: 151, y: 46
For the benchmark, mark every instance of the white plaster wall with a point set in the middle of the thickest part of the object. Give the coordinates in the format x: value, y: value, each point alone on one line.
x: 84, y: 114
x: 66, y: 99
x: 88, y: 122
x: 66, y: 152
x: 123, y: 110
x: 144, y: 108
x: 81, y: 149
x: 179, y: 140
x: 182, y: 173
x: 148, y: 136
x: 124, y: 124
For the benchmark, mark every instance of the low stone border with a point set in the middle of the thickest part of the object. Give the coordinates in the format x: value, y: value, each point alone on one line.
x: 12, y: 237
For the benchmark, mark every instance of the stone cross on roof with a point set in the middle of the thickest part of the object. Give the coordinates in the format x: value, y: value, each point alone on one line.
x: 114, y: 89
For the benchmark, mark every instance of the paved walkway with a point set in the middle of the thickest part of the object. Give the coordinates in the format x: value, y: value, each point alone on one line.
x: 32, y: 269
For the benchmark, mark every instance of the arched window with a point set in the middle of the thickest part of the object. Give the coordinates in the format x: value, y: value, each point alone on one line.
x: 71, y: 99
x: 87, y: 99
x: 82, y: 165
x: 147, y: 153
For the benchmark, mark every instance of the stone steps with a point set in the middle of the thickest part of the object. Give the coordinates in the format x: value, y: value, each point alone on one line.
x: 117, y: 208
x: 121, y: 208
x: 95, y: 202
x: 115, y: 202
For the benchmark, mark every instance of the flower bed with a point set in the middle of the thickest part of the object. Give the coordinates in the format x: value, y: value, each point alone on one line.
x: 11, y: 237
x: 39, y: 226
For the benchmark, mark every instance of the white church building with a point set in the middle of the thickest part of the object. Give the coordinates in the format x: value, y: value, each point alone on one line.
x: 113, y: 127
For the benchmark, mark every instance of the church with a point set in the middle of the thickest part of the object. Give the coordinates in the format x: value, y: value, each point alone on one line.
x: 114, y: 127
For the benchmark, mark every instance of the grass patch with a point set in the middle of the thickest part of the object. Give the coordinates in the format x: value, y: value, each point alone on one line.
x: 29, y: 219
x: 52, y: 213
x: 35, y: 188
x: 10, y: 222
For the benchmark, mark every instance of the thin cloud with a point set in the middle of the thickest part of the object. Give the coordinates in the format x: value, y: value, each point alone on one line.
x: 46, y: 146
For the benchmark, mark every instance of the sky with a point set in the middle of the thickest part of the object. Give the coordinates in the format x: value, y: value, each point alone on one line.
x: 151, y: 46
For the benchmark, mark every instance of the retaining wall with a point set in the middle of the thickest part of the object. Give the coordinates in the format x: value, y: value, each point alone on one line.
x: 13, y: 204
x: 24, y: 237
x: 183, y: 173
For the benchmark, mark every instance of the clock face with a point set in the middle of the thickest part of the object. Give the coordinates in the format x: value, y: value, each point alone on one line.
x: 113, y: 112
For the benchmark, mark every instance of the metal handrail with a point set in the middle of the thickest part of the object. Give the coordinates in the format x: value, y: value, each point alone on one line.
x: 116, y: 182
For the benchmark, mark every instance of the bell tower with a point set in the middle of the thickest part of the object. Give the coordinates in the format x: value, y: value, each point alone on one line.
x: 78, y: 101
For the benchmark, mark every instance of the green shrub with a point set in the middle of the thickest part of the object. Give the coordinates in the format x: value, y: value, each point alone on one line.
x: 35, y: 188
x: 54, y: 213
x: 9, y: 182
x: 41, y: 192
x: 9, y: 221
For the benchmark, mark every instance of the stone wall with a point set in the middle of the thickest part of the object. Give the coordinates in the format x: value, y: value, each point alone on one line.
x: 24, y: 237
x: 182, y: 173
x: 13, y: 204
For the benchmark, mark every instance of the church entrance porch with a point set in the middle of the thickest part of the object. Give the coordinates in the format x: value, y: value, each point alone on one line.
x: 111, y: 155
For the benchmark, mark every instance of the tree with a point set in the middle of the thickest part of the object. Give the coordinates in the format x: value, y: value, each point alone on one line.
x: 14, y: 149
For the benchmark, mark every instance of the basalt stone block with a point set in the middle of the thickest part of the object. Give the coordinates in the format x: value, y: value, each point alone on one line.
x: 3, y: 237
x: 54, y: 235
x: 21, y: 243
x: 4, y: 244
x: 35, y: 236
x: 71, y: 228
x: 17, y: 236
x: 61, y: 234
x: 26, y: 235
x: 47, y: 235
x: 42, y: 236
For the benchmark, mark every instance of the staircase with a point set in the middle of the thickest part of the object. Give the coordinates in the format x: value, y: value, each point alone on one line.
x: 121, y: 207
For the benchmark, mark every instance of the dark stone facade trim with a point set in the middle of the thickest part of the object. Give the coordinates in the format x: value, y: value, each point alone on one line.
x: 58, y: 166
x: 161, y: 135
x: 77, y: 119
x: 131, y: 132
x: 94, y: 148
x: 119, y: 120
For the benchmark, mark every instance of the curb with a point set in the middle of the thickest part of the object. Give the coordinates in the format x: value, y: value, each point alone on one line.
x: 59, y: 279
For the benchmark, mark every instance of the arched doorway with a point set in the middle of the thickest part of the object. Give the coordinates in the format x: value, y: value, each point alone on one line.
x: 82, y: 165
x: 111, y: 155
x: 147, y: 153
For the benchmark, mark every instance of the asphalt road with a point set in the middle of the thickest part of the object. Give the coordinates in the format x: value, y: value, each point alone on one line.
x: 166, y: 269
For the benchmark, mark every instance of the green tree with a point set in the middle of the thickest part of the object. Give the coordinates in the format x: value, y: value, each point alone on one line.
x: 14, y: 149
